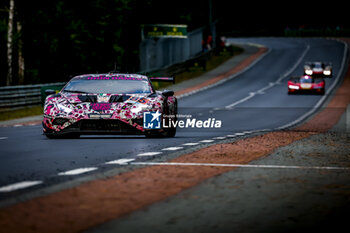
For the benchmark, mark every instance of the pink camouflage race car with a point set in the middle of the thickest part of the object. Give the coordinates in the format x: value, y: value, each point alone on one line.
x: 111, y: 103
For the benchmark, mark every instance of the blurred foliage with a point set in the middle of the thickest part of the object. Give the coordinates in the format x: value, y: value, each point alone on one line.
x: 65, y: 38
x: 197, y: 69
x: 19, y: 113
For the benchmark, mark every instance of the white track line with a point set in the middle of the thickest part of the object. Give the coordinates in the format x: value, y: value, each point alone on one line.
x: 206, y: 141
x: 320, y: 102
x: 219, y: 138
x: 240, y: 165
x: 19, y: 185
x: 190, y: 144
x: 240, y: 134
x: 3, y: 138
x: 294, y: 66
x: 173, y: 148
x: 271, y: 84
x: 77, y: 171
x: 149, y: 154
x: 230, y: 106
x: 228, y: 78
x: 120, y: 161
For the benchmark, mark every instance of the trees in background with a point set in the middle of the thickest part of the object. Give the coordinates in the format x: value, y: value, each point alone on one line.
x: 49, y: 41
x: 45, y: 41
x: 11, y: 13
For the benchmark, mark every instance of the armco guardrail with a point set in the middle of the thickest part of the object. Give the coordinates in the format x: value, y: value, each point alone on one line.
x: 24, y: 95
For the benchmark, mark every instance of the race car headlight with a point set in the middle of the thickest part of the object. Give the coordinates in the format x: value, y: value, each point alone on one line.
x: 140, y: 108
x: 63, y: 108
x: 327, y: 72
x: 293, y: 87
x: 308, y: 72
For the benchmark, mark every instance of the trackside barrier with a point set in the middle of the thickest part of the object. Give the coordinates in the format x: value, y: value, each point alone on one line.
x: 164, y: 52
x: 25, y: 95
x: 180, y: 67
x: 20, y: 96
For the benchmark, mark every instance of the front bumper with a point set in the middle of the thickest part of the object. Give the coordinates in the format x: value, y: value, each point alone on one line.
x: 62, y: 126
x: 320, y: 90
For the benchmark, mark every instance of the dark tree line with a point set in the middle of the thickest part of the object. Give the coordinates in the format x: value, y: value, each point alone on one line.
x: 57, y: 38
x: 54, y: 39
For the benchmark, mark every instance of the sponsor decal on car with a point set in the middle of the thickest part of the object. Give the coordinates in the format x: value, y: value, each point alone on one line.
x: 122, y: 77
x: 101, y: 98
x: 101, y: 106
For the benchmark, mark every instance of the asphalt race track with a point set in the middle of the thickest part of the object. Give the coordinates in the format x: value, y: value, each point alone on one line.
x: 255, y: 100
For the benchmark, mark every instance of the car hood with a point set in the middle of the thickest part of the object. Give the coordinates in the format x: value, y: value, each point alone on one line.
x: 81, y: 106
x: 75, y: 98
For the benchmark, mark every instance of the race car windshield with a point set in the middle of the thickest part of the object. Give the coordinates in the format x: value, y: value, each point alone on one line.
x: 318, y: 66
x: 303, y: 80
x: 109, y: 86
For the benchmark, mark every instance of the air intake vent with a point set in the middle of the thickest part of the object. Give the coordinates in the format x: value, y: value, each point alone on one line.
x: 88, y: 98
x: 118, y: 98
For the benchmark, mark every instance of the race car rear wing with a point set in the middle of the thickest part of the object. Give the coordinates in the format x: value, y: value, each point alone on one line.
x: 163, y: 79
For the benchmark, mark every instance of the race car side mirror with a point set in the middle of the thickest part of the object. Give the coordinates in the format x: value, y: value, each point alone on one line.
x: 49, y: 92
x: 168, y: 93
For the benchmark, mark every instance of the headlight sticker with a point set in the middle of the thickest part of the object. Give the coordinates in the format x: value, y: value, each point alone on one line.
x: 101, y: 106
x: 64, y: 108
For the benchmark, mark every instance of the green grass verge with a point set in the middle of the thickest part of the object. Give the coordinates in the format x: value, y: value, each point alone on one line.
x: 23, y: 112
x: 196, y: 70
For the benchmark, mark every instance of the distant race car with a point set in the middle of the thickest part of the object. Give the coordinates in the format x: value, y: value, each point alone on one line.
x: 111, y: 103
x: 306, y: 84
x: 322, y: 69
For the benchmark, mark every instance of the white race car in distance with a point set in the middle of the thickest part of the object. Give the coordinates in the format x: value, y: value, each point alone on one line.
x: 320, y: 69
